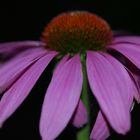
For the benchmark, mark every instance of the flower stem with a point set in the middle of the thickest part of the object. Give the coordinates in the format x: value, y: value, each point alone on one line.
x: 83, y: 133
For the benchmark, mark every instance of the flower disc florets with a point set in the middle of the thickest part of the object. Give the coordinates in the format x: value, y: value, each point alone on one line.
x: 76, y: 32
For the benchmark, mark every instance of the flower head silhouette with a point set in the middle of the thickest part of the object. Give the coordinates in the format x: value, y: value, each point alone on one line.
x: 84, y: 45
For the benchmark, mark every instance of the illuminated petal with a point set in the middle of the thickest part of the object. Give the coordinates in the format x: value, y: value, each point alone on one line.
x: 61, y: 99
x: 131, y: 51
x: 10, y: 71
x: 12, y: 99
x: 109, y: 88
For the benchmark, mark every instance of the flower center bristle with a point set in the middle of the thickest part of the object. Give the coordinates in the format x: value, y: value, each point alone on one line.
x: 76, y: 32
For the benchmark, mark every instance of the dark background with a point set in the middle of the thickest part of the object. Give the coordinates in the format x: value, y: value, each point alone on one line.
x: 23, y: 20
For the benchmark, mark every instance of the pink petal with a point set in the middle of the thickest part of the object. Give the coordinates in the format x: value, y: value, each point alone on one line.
x: 100, y: 130
x: 109, y: 88
x: 128, y: 96
x: 61, y: 99
x: 60, y: 64
x: 11, y: 47
x: 137, y: 79
x: 80, y: 116
x: 14, y: 68
x: 131, y: 51
x: 133, y: 90
x: 12, y: 99
x: 135, y: 86
x: 127, y: 39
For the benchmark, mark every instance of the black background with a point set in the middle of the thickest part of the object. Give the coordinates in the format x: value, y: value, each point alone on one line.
x: 21, y: 20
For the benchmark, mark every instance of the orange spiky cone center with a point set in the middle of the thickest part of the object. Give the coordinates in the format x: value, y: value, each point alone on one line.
x: 76, y: 32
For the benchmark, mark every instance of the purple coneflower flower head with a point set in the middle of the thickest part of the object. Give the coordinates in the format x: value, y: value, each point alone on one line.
x: 85, y: 49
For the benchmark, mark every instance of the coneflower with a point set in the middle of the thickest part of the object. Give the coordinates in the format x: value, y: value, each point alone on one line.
x: 85, y: 46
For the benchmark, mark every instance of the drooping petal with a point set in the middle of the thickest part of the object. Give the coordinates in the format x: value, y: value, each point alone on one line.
x: 131, y: 90
x: 100, y: 129
x: 131, y: 84
x: 109, y: 89
x: 61, y: 99
x: 131, y: 51
x: 12, y: 99
x: 127, y: 39
x: 10, y: 71
x: 80, y: 117
x: 12, y: 47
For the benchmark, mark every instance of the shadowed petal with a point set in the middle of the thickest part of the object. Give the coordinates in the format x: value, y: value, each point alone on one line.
x: 60, y: 64
x: 21, y: 88
x: 8, y: 48
x: 109, y: 89
x: 135, y: 87
x: 14, y: 68
x: 127, y: 39
x: 80, y: 117
x: 61, y: 99
x: 100, y: 130
x: 131, y: 51
x: 137, y: 80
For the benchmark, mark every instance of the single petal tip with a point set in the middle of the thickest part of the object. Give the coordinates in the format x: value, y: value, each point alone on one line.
x: 124, y: 129
x: 80, y: 117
